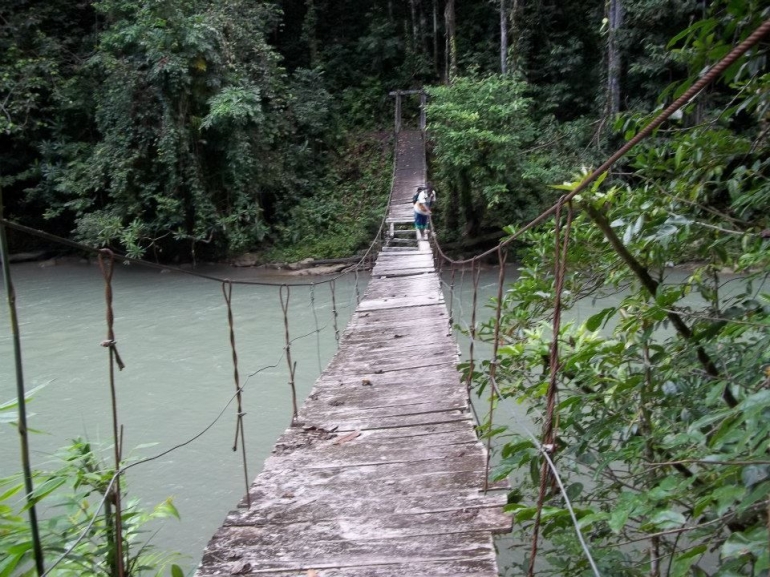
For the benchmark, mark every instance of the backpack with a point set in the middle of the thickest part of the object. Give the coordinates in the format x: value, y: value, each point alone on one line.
x: 416, y: 195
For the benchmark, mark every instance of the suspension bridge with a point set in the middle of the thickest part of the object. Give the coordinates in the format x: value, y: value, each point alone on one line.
x: 381, y: 473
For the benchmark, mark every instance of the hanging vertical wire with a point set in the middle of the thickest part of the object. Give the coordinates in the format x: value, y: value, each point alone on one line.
x: 227, y: 291
x: 107, y: 269
x: 451, y: 296
x: 475, y: 271
x: 317, y: 330
x: 292, y: 366
x: 21, y: 402
x: 333, y: 289
x: 502, y: 255
x: 549, y: 428
x: 358, y: 291
x: 462, y: 289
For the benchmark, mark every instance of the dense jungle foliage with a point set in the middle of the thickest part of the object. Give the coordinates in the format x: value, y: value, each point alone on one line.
x: 176, y: 129
x: 182, y: 129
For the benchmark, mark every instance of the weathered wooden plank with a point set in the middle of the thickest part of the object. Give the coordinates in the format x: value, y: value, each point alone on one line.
x: 453, y: 567
x: 389, y: 481
x: 378, y: 520
x: 304, y: 509
x: 402, y: 287
x: 262, y: 549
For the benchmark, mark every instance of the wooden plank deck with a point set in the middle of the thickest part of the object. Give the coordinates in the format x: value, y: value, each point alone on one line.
x: 383, y: 476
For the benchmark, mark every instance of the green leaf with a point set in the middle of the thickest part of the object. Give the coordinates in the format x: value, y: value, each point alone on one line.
x: 684, y: 561
x: 748, y: 543
x: 667, y: 519
x: 11, y: 491
x: 598, y: 320
x: 574, y: 490
x: 754, y: 474
x: 176, y: 571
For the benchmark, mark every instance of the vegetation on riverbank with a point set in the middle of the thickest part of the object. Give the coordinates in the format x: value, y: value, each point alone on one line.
x: 75, y: 503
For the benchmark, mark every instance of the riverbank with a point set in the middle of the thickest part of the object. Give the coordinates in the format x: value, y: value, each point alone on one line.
x: 305, y: 267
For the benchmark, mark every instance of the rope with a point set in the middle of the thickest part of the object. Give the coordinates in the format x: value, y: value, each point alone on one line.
x: 292, y: 366
x: 114, y: 358
x: 227, y: 291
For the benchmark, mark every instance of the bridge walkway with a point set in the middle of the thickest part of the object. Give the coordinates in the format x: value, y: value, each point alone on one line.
x: 383, y: 474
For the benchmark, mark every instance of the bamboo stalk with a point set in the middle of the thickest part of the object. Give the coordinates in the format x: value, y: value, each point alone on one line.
x: 20, y: 394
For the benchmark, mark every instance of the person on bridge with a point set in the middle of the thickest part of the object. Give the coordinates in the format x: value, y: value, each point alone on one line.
x: 422, y: 210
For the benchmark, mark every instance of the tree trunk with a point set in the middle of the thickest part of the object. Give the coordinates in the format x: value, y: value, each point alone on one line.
x: 435, y: 37
x: 309, y: 26
x: 503, y: 39
x: 451, y: 41
x: 514, y: 36
x: 424, y: 43
x: 615, y: 21
x: 415, y: 26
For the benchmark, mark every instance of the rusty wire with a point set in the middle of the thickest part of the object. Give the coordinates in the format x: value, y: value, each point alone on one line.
x: 502, y: 256
x: 549, y: 428
x: 475, y: 272
x: 317, y: 330
x: 114, y: 358
x: 292, y: 366
x: 451, y: 296
x: 358, y: 292
x: 333, y: 289
x: 227, y: 291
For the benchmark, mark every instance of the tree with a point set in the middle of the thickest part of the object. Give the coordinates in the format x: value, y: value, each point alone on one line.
x: 451, y: 41
x: 614, y: 24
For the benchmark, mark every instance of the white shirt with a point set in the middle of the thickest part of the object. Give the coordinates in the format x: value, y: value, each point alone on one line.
x: 422, y: 203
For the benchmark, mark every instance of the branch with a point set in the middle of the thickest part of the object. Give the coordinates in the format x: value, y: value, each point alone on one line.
x: 652, y: 287
x: 702, y: 462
